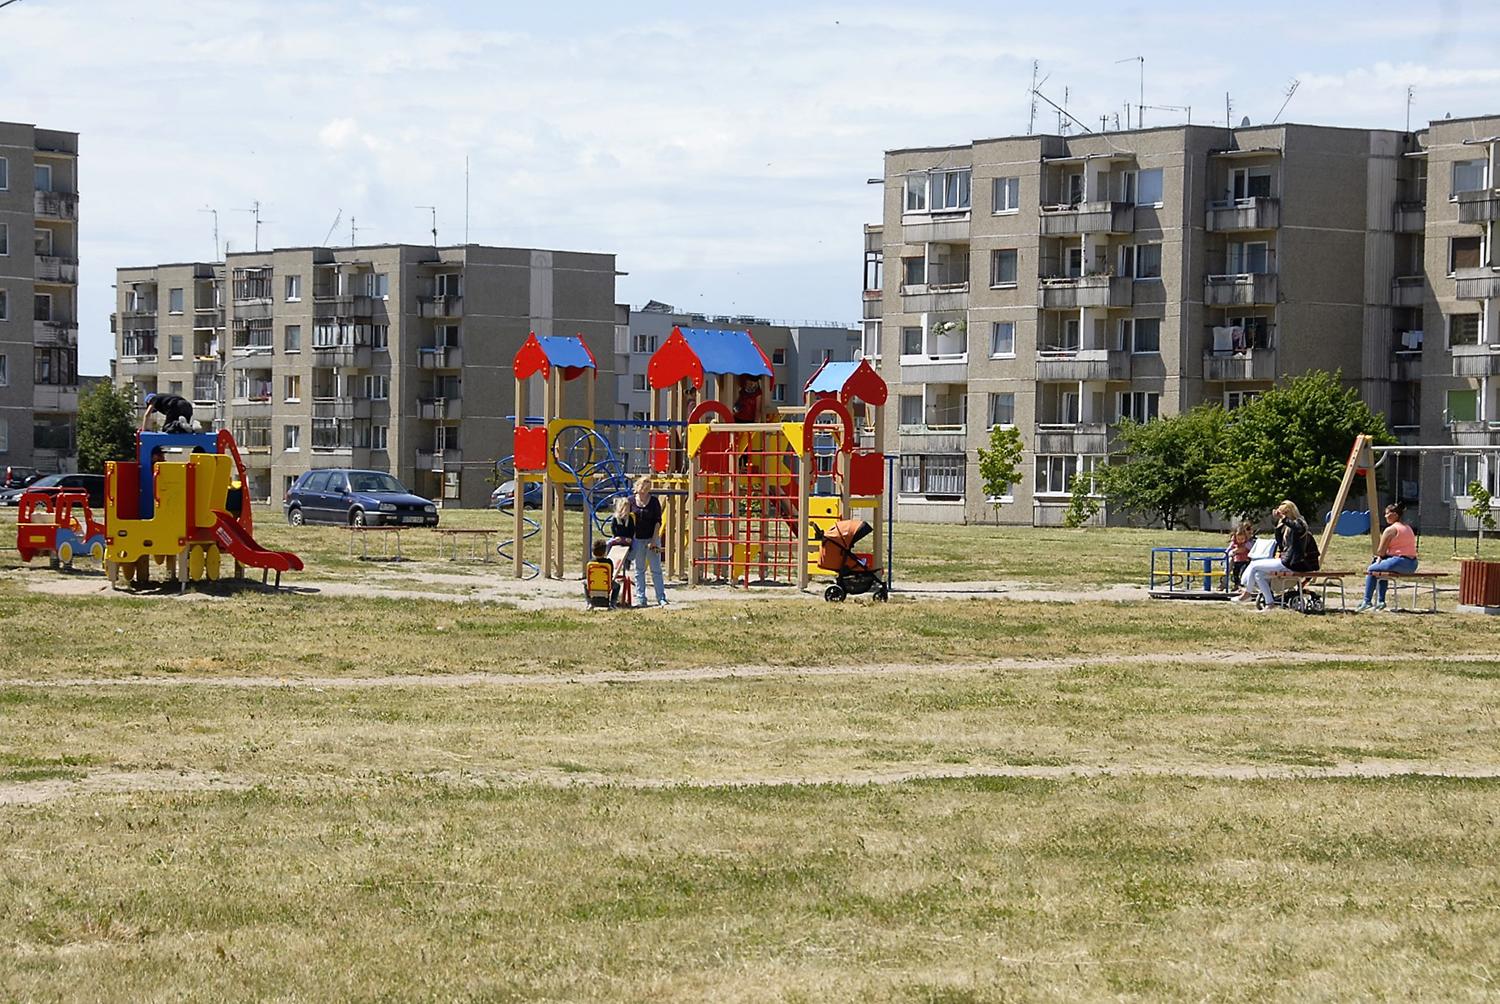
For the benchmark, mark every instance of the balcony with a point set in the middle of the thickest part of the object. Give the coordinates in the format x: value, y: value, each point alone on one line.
x: 341, y: 407
x: 1088, y: 218
x: 937, y: 229
x: 436, y: 460
x: 1069, y: 365
x: 1406, y: 363
x: 1476, y: 360
x: 208, y: 318
x: 1410, y: 218
x: 1254, y: 213
x: 55, y: 397
x: 56, y: 270
x: 344, y: 304
x: 57, y: 206
x: 1244, y: 289
x: 1249, y: 364
x: 440, y: 306
x: 1479, y: 283
x: 440, y: 409
x: 1482, y: 206
x: 1072, y: 292
x: 349, y: 357
x: 1408, y: 291
x: 1475, y: 433
x: 254, y: 310
x: 934, y: 298
x: 1072, y: 437
x: 440, y: 357
x: 61, y: 333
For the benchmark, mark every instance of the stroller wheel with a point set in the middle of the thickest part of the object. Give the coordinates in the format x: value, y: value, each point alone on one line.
x: 834, y: 594
x: 882, y: 594
x: 1260, y: 602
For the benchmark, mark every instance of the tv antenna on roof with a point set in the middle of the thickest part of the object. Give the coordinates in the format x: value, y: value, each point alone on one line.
x: 1292, y: 89
x: 1139, y: 122
x: 215, y: 212
x: 332, y: 226
x: 1410, y: 93
x: 254, y: 210
x: 433, y: 211
x: 1061, y: 111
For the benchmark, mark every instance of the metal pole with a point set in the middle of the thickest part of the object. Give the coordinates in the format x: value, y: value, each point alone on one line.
x: 890, y: 517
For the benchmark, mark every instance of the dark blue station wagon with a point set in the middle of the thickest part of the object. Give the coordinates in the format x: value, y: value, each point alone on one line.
x: 355, y: 498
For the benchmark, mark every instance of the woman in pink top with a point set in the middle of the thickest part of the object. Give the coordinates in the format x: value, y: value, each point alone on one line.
x: 1397, y: 553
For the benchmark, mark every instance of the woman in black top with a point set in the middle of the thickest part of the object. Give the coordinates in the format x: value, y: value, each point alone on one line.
x: 645, y: 547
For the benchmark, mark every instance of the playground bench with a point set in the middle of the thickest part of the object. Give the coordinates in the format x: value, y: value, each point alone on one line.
x: 392, y: 541
x: 1417, y: 580
x: 1320, y: 579
x: 452, y: 536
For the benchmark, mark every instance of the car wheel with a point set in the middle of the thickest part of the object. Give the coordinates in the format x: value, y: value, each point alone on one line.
x: 294, y: 516
x: 357, y: 517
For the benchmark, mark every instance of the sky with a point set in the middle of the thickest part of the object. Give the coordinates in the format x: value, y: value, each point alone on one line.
x: 720, y: 151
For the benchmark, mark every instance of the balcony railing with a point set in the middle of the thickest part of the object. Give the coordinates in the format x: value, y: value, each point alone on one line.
x: 63, y: 333
x: 1410, y: 217
x: 440, y: 409
x: 56, y: 269
x: 1064, y: 364
x: 1408, y: 291
x: 1482, y: 206
x: 1255, y: 213
x: 356, y: 357
x: 1064, y: 292
x: 1481, y: 360
x: 1250, y: 364
x: 208, y: 319
x: 441, y: 357
x: 57, y: 205
x: 344, y: 304
x: 436, y: 460
x: 440, y: 306
x: 1240, y: 289
x: 1071, y: 437
x: 1480, y: 283
x: 1088, y: 218
x: 1472, y: 432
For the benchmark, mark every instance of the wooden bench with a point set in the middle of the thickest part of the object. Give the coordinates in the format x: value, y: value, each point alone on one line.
x: 1417, y: 579
x: 453, y: 535
x: 362, y: 534
x: 1321, y: 579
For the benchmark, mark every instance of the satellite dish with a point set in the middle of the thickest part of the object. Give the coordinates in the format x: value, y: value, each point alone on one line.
x: 1245, y: 122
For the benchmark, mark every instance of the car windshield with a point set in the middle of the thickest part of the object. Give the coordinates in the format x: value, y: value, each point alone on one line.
x: 50, y: 481
x: 371, y: 481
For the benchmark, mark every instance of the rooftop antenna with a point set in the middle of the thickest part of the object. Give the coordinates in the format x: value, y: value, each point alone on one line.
x: 1228, y: 109
x: 255, y: 211
x: 1061, y: 111
x: 1031, y: 122
x: 466, y: 199
x: 354, y: 232
x: 1292, y: 89
x: 433, y: 211
x: 215, y: 213
x: 1139, y: 121
x: 1410, y: 92
x: 332, y: 226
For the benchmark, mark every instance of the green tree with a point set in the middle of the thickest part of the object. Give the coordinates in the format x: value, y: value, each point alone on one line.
x: 1292, y: 442
x: 1162, y: 469
x: 1479, y: 511
x: 1000, y: 465
x: 106, y: 428
x: 1082, y: 503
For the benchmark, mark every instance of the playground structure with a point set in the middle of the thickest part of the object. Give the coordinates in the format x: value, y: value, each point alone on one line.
x: 730, y: 476
x: 63, y: 535
x: 171, y: 504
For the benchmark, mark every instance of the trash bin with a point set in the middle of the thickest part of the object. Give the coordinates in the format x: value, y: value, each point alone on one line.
x: 1479, y: 583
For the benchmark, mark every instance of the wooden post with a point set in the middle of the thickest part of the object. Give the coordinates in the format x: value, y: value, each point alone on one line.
x: 1372, y: 498
x: 1360, y: 452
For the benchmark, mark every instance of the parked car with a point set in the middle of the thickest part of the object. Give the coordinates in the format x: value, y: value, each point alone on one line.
x: 19, y: 477
x: 91, y: 483
x: 355, y: 498
x: 501, y: 497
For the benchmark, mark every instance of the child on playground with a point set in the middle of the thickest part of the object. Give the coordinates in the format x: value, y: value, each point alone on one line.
x: 599, y: 586
x: 1238, y: 551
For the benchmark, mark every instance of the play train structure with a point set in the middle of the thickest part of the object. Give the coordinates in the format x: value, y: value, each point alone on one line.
x: 179, y: 504
x: 748, y: 488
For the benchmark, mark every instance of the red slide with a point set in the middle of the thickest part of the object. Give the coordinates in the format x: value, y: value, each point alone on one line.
x: 231, y: 537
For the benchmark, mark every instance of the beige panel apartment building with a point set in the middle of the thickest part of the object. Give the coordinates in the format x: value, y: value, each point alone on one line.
x: 38, y: 296
x: 390, y: 357
x: 1060, y: 283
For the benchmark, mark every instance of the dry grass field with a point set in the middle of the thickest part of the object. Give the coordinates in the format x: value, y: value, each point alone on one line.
x: 355, y: 794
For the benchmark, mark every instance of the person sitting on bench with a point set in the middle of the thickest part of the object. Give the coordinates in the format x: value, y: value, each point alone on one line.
x: 175, y: 410
x: 1291, y: 537
x: 1396, y: 555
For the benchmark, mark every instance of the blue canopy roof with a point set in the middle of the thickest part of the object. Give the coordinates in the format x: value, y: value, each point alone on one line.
x: 565, y: 350
x: 830, y: 379
x: 731, y: 352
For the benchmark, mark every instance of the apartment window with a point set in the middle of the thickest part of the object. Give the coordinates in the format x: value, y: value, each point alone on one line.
x: 939, y: 476
x: 1127, y: 186
x: 1463, y: 329
x: 1141, y: 334
x: 174, y: 387
x: 174, y: 346
x: 379, y: 436
x: 174, y: 301
x: 1140, y: 405
x: 380, y: 337
x: 377, y: 388
x: 1239, y: 398
x: 445, y: 284
x: 778, y: 357
x: 916, y: 193
x: 41, y: 306
x: 1007, y: 197
x: 1463, y: 405
x: 642, y: 344
x: 1055, y: 473
x: 1003, y: 339
x: 1147, y: 261
x: 251, y: 283
x: 4, y: 370
x: 911, y: 341
x: 1468, y: 175
x: 914, y: 271
x: 292, y: 337
x: 1249, y: 258
x: 1458, y: 473
x: 294, y: 388
x: 4, y: 305
x: 1003, y: 408
x: 4, y: 174
x: 869, y: 343
x: 1003, y: 267
x: 380, y: 285
x: 291, y: 437
x: 778, y: 393
x: 950, y: 190
x: 1250, y: 183
x: 4, y: 238
x: 1464, y: 252
x: 1148, y: 187
x: 911, y: 409
x: 42, y: 239
x: 4, y: 436
x: 638, y: 382
x: 293, y: 288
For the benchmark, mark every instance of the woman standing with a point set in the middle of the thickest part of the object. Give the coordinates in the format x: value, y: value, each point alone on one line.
x: 645, y: 547
x: 1291, y: 531
x: 1397, y: 553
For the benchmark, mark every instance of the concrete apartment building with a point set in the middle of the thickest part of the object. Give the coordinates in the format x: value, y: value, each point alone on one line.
x: 796, y: 349
x: 38, y: 296
x: 1060, y: 283
x: 392, y: 357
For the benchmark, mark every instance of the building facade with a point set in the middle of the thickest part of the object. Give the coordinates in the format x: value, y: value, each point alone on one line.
x: 1062, y: 283
x: 389, y: 357
x: 796, y: 350
x: 38, y: 296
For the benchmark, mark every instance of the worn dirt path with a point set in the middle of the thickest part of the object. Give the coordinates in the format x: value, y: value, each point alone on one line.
x: 750, y: 672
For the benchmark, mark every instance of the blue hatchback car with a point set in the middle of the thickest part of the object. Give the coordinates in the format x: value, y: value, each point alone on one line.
x: 355, y: 498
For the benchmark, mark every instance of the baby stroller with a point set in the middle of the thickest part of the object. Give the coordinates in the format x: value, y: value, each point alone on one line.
x: 853, y: 575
